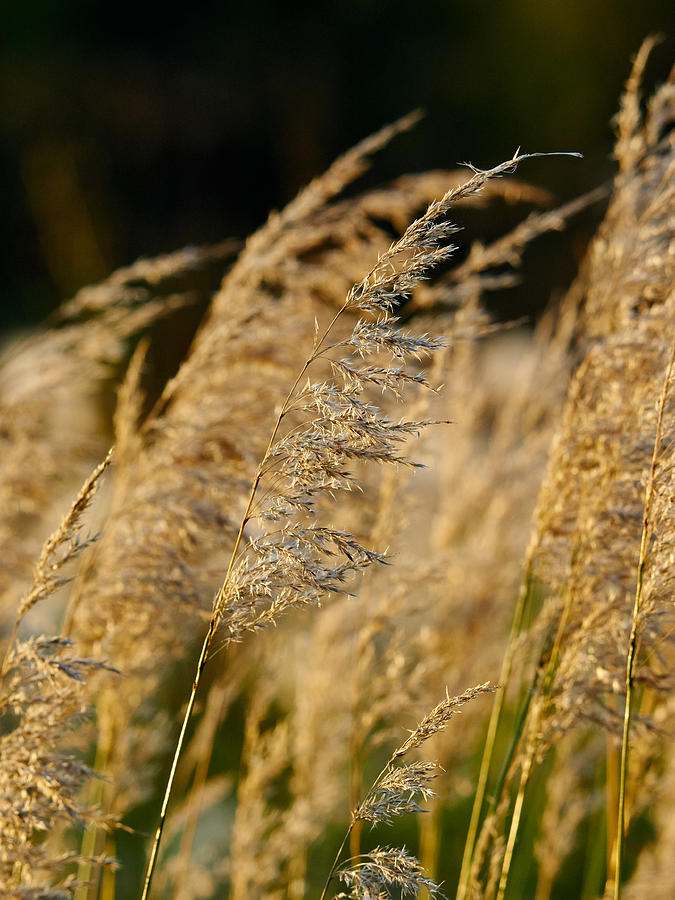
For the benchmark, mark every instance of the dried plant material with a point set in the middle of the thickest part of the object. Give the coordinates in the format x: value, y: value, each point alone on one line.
x: 41, y: 701
x: 409, y: 626
x: 630, y: 266
x: 229, y: 459
x: 591, y: 506
x: 476, y: 274
x: 291, y: 565
x: 62, y: 547
x: 188, y: 273
x: 49, y: 427
x: 333, y: 426
x: 383, y: 868
x: 392, y: 794
x: 439, y: 717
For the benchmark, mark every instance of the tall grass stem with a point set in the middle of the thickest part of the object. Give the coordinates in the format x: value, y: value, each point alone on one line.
x: 633, y: 641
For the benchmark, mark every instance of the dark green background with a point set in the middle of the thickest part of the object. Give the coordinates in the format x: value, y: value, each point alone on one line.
x: 129, y: 129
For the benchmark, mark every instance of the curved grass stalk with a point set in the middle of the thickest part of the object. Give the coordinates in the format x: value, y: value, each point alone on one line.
x: 392, y: 792
x: 410, y: 259
x: 633, y: 641
x: 211, y: 632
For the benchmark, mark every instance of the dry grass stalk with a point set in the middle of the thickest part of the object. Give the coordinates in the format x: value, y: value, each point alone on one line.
x: 175, y: 507
x: 41, y: 701
x: 43, y: 697
x: 60, y: 549
x: 289, y: 565
x: 413, y: 653
x: 631, y: 661
x: 393, y: 794
x: 593, y: 496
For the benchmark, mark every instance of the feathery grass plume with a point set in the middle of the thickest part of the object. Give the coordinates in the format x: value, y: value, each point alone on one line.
x: 393, y: 794
x: 606, y: 438
x: 61, y: 548
x: 630, y: 264
x: 329, y: 427
x: 638, y: 620
x: 392, y: 619
x: 41, y: 701
x: 49, y: 426
x: 332, y: 425
x: 591, y: 503
x: 162, y: 553
x: 604, y: 451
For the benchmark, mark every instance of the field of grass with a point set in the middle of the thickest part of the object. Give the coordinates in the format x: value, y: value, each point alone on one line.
x: 460, y: 531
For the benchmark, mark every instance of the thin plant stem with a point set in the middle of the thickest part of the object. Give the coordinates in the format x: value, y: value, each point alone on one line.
x: 515, y: 821
x: 612, y: 779
x: 348, y: 833
x: 429, y: 829
x: 496, y: 793
x: 216, y: 615
x: 331, y: 873
x: 527, y: 765
x: 92, y: 835
x: 633, y: 641
x: 109, y: 876
x: 177, y: 753
x: 491, y: 737
x: 216, y: 707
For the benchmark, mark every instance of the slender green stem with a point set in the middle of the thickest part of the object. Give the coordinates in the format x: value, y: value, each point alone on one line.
x: 491, y: 737
x: 92, y: 833
x: 551, y: 665
x: 515, y: 822
x: 633, y: 641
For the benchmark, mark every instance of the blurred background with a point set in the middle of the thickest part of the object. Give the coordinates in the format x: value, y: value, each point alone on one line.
x: 127, y: 131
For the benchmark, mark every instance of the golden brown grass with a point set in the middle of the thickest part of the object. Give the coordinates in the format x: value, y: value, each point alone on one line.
x: 243, y: 494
